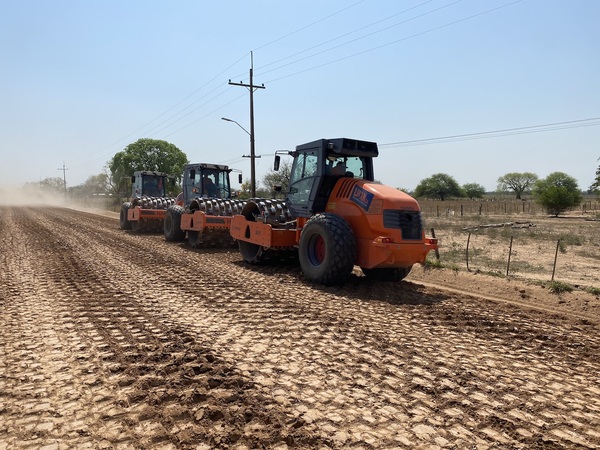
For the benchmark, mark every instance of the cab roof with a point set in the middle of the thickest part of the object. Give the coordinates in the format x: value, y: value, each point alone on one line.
x: 343, y: 146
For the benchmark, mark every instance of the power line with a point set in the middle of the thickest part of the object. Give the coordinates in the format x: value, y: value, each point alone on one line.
x: 346, y: 34
x: 593, y: 121
x: 102, y: 153
x: 361, y: 37
x: 396, y: 41
x: 205, y: 115
x: 308, y: 26
x: 165, y: 123
x: 183, y: 100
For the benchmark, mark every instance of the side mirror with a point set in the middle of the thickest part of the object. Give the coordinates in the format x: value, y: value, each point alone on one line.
x: 276, y: 163
x: 192, y: 174
x: 133, y: 178
x: 277, y: 188
x: 240, y: 180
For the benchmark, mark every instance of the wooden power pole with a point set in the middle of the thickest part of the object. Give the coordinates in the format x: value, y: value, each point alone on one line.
x: 251, y: 87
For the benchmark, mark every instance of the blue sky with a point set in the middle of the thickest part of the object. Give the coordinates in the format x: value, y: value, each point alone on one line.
x: 82, y: 79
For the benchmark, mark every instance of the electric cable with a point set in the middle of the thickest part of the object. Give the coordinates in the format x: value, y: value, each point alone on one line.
x: 593, y: 121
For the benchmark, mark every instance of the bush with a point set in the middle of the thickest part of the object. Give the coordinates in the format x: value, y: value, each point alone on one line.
x: 594, y: 291
x: 558, y: 287
x: 557, y: 193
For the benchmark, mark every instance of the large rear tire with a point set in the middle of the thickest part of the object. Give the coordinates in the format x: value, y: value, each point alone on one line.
x: 172, y: 224
x: 124, y: 224
x: 327, y: 249
x: 387, y: 274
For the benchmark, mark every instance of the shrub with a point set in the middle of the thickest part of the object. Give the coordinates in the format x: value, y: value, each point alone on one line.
x: 558, y: 287
x: 557, y: 193
x: 594, y: 291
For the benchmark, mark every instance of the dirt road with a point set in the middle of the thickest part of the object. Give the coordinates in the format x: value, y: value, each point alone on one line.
x: 110, y: 339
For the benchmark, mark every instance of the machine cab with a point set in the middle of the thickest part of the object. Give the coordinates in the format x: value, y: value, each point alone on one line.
x: 319, y: 165
x: 149, y: 184
x: 206, y: 180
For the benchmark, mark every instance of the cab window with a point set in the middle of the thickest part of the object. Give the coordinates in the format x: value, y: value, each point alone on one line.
x: 302, y: 177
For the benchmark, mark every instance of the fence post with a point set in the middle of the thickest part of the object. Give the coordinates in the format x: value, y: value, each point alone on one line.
x: 509, y: 253
x: 467, y: 252
x: 480, y: 207
x: 461, y: 210
x: 437, y: 252
x: 555, y: 258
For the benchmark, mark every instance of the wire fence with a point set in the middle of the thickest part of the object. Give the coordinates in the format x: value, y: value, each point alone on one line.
x: 439, y: 208
x: 541, y: 249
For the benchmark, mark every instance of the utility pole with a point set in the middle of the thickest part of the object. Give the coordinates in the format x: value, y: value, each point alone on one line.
x: 251, y: 87
x: 64, y: 169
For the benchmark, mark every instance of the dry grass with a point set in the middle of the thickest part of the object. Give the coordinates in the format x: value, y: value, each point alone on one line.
x: 537, y: 239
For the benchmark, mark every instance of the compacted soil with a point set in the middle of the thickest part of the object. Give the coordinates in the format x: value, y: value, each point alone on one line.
x: 110, y: 339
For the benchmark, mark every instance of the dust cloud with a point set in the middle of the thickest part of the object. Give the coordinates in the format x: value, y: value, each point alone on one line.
x: 13, y: 195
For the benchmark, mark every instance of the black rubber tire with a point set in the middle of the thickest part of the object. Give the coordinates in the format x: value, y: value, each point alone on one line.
x: 124, y: 224
x: 327, y: 249
x: 387, y: 274
x: 172, y: 224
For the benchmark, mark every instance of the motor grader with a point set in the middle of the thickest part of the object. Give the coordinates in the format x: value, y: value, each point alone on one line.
x: 145, y: 210
x: 335, y: 216
x: 203, y: 210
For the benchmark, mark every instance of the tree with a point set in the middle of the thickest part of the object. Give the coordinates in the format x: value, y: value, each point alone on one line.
x: 48, y: 185
x: 595, y: 187
x: 519, y: 183
x: 96, y: 184
x: 246, y: 189
x: 439, y: 186
x: 146, y: 154
x: 473, y: 190
x: 557, y: 193
x: 278, y: 178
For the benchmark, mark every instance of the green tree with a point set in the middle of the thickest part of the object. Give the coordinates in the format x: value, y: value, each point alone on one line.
x: 51, y: 184
x: 519, y: 183
x: 440, y: 186
x: 557, y: 193
x: 97, y: 184
x: 278, y: 178
x: 246, y: 188
x: 473, y: 190
x: 595, y: 187
x: 146, y: 154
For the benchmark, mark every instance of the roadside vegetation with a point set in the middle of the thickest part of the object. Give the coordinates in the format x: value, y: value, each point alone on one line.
x: 542, y: 248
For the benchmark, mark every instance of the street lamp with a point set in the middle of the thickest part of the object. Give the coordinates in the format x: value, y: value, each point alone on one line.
x: 231, y: 120
x: 252, y: 157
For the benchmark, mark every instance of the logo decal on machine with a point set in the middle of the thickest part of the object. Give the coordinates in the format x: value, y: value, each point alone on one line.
x: 361, y: 197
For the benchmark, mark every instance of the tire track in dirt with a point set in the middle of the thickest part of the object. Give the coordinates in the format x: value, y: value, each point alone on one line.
x: 469, y: 318
x: 154, y: 386
x: 367, y: 365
